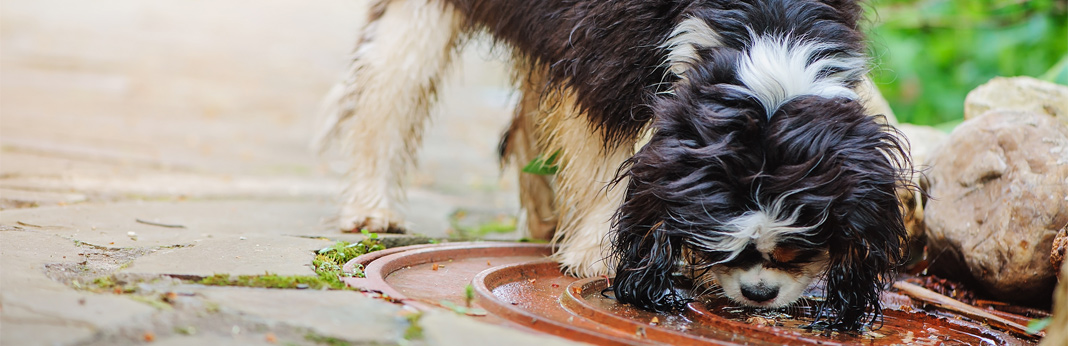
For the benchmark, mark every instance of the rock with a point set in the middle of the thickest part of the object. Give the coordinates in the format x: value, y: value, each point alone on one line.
x: 1057, y: 331
x: 999, y: 194
x: 922, y: 140
x: 1018, y: 93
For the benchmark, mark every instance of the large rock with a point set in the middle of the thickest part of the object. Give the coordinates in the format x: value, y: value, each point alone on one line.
x: 999, y: 188
x: 922, y: 141
x: 1018, y: 93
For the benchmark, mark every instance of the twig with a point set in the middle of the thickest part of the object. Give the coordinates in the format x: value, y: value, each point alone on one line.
x: 27, y: 224
x: 947, y: 303
x: 159, y: 224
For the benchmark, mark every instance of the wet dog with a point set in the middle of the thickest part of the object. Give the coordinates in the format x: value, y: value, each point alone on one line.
x: 723, y: 140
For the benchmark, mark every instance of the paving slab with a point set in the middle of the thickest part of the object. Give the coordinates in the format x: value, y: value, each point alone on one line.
x: 244, y: 255
x: 347, y: 315
x: 109, y: 225
x: 40, y: 311
x: 215, y: 340
x: 180, y: 113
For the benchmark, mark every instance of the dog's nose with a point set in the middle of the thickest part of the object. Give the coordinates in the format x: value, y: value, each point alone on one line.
x: 759, y: 293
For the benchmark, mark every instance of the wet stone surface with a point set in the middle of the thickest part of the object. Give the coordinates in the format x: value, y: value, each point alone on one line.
x: 182, y: 114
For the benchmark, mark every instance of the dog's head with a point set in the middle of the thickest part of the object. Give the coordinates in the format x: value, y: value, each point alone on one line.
x: 764, y: 183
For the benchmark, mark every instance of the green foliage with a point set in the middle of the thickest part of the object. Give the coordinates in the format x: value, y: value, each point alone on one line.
x: 1037, y: 325
x: 469, y: 294
x: 930, y: 53
x: 341, y: 252
x: 543, y: 166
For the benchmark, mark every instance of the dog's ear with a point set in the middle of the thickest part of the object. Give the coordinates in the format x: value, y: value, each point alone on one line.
x: 837, y: 156
x: 645, y: 250
x: 868, y: 243
x: 863, y: 260
x: 647, y: 258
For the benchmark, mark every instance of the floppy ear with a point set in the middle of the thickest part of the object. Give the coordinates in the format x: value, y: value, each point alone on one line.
x: 647, y: 258
x: 869, y: 243
x: 863, y: 262
x: 862, y: 164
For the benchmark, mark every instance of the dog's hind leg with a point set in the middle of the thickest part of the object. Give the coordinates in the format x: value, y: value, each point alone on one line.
x: 586, y: 200
x: 522, y: 143
x: 384, y: 103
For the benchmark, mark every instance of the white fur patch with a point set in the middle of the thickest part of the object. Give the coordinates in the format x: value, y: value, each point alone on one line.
x: 690, y: 35
x: 777, y: 69
x: 764, y: 228
x: 790, y: 286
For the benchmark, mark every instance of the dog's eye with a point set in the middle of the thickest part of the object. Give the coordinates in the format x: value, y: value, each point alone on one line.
x: 786, y: 254
x: 748, y: 257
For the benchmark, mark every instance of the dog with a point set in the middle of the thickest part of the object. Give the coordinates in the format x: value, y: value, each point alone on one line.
x: 723, y: 143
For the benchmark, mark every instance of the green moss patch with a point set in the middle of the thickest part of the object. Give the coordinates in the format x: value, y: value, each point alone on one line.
x: 326, y: 340
x: 327, y: 264
x: 266, y: 281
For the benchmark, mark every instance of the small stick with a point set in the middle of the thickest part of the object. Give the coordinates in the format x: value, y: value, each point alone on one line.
x: 931, y: 297
x: 159, y: 224
x: 27, y: 224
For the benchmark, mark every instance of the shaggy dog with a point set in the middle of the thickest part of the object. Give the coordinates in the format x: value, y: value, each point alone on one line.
x: 762, y: 171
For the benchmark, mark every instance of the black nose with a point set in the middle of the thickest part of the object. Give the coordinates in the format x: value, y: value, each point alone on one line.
x: 759, y: 293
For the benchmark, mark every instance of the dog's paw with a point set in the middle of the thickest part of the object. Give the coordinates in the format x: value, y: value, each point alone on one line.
x: 374, y: 221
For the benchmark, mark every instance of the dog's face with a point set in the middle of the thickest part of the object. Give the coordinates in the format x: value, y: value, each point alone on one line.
x: 763, y: 206
x: 770, y: 278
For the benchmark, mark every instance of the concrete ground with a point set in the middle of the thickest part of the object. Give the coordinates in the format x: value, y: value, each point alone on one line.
x: 199, y: 113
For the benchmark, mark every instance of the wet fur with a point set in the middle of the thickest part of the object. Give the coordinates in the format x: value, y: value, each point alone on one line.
x: 594, y: 76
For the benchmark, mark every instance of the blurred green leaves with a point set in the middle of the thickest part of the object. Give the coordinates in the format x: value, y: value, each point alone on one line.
x: 929, y: 53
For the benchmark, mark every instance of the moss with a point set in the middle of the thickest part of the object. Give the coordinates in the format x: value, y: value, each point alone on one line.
x: 326, y: 340
x: 187, y: 330
x: 154, y: 301
x: 414, y: 330
x: 341, y: 252
x: 267, y: 280
x: 327, y: 264
x: 104, y: 282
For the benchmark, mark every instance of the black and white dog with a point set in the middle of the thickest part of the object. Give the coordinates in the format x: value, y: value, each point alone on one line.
x: 722, y: 139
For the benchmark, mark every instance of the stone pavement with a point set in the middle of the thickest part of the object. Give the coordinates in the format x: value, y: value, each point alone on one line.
x: 199, y: 113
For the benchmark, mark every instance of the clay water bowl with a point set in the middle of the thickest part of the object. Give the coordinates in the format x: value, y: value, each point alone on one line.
x: 516, y: 285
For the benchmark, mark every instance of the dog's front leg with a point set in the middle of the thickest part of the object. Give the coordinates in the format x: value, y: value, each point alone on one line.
x: 384, y: 103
